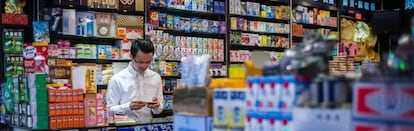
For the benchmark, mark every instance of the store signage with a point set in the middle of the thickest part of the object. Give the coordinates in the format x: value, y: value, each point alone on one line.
x: 359, y: 4
x: 409, y: 4
x: 329, y: 2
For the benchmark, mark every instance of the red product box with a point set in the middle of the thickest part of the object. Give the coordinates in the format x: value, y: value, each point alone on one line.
x: 384, y: 101
x: 371, y: 126
x: 14, y: 19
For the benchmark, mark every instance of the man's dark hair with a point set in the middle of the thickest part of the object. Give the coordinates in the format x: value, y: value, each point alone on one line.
x: 144, y: 46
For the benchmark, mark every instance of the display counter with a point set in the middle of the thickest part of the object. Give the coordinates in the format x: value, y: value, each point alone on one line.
x: 165, y: 123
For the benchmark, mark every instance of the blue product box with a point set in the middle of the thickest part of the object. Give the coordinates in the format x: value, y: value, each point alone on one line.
x: 222, y: 7
x: 162, y: 20
x: 193, y: 123
x: 101, y: 51
x: 85, y: 23
x: 205, y: 25
x: 194, y: 23
x: 216, y: 7
x: 187, y: 24
x: 108, y: 52
x: 215, y: 26
x: 210, y: 26
x: 176, y: 22
x: 188, y: 4
x: 210, y: 5
x: 182, y: 24
x: 162, y: 3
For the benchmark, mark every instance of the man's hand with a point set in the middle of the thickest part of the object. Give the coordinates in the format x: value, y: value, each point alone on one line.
x: 154, y: 106
x: 136, y: 105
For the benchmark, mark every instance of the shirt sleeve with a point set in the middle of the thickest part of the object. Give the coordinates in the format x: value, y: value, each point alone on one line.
x: 114, y: 97
x: 160, y: 96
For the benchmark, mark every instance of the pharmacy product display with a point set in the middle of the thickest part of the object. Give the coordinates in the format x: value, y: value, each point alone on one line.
x: 255, y: 9
x: 172, y: 47
x: 244, y: 55
x: 210, y: 6
x: 249, y: 39
x: 161, y: 20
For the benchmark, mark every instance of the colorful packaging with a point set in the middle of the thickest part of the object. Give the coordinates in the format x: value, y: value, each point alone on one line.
x: 41, y: 32
x: 221, y: 109
x: 253, y: 84
x: 13, y: 40
x: 85, y: 23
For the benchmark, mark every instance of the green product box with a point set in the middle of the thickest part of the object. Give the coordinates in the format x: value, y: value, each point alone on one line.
x: 42, y: 109
x: 13, y: 40
x: 42, y: 123
x: 40, y: 81
x: 13, y: 64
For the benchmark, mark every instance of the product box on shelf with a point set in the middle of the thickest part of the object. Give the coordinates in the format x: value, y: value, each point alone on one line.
x: 41, y: 31
x: 35, y: 53
x: 85, y: 22
x: 128, y: 6
x: 69, y: 21
x: 387, y: 101
x: 13, y: 40
x: 106, y: 25
x: 13, y: 64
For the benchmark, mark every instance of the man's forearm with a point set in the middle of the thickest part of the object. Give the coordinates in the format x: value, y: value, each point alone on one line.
x: 120, y: 109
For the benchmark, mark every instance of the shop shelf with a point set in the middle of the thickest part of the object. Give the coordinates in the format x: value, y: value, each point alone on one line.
x: 189, y: 13
x: 83, y: 8
x: 192, y: 34
x: 256, y: 18
x: 313, y: 26
x: 98, y: 61
x: 316, y: 4
x: 273, y: 2
x: 245, y: 47
x: 262, y: 33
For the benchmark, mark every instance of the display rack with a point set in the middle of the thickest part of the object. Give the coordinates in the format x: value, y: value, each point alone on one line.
x: 260, y: 18
x: 189, y: 13
x: 259, y: 48
x: 28, y: 30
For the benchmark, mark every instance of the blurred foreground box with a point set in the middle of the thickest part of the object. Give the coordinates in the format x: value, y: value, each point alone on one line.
x: 391, y: 101
x: 197, y: 101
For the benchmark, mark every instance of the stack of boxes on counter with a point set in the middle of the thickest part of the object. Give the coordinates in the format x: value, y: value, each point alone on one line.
x: 38, y: 102
x: 343, y: 64
x: 229, y: 106
x: 66, y: 107
x: 16, y: 104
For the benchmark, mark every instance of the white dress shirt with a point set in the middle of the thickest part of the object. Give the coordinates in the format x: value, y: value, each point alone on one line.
x: 128, y: 85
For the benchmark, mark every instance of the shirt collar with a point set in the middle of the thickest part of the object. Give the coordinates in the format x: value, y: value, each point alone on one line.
x: 134, y: 72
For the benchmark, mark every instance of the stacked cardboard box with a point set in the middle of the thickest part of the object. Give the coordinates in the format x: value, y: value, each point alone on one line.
x: 38, y: 101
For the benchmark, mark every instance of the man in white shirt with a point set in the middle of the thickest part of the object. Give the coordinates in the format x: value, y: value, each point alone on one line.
x: 136, y: 91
